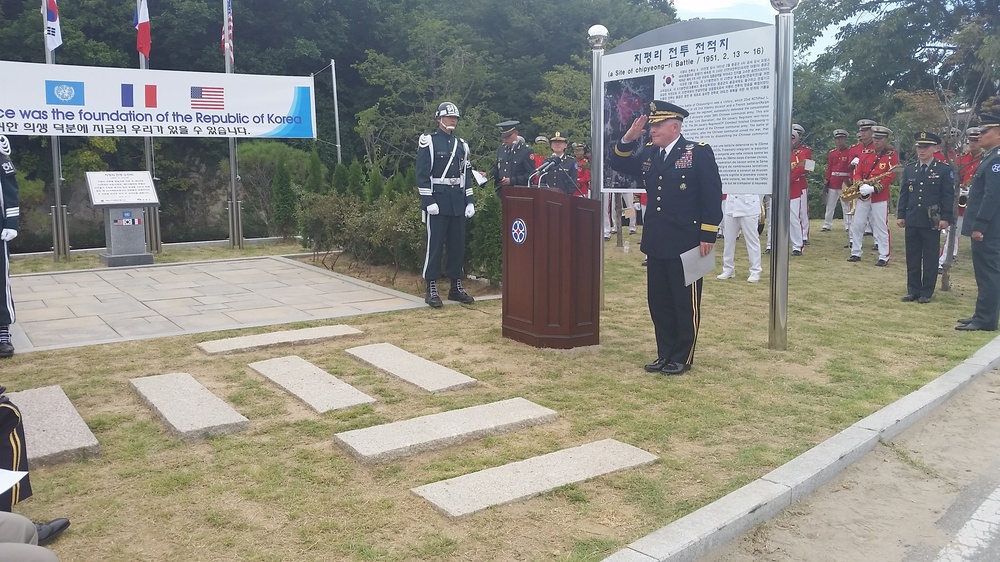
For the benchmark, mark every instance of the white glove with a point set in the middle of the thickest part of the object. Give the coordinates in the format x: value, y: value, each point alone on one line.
x: 866, y: 189
x: 433, y: 209
x: 470, y: 210
x: 637, y: 206
x: 8, y: 234
x: 855, y: 161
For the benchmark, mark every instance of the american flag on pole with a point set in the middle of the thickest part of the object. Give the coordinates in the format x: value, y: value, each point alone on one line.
x: 208, y: 97
x: 53, y: 31
x: 227, y: 32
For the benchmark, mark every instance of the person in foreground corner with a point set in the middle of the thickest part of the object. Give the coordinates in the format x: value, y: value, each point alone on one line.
x: 683, y: 189
x: 924, y: 210
x: 982, y: 211
x: 444, y: 182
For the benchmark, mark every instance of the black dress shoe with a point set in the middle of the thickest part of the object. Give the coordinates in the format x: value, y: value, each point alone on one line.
x: 48, y: 532
x: 645, y: 263
x: 674, y: 368
x: 924, y: 300
x: 796, y: 252
x: 6, y: 350
x: 965, y: 320
x: 970, y: 327
x: 655, y: 366
x: 854, y: 258
x: 909, y: 298
x: 882, y: 263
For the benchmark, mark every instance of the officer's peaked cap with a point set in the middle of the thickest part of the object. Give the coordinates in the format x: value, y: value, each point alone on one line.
x: 839, y: 133
x: 662, y: 110
x: 972, y: 133
x: 988, y: 121
x: 865, y: 124
x: 925, y: 138
x: 558, y: 137
x: 507, y: 128
x: 880, y: 132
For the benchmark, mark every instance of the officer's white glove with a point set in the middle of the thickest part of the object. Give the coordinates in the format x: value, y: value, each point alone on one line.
x: 470, y: 210
x: 433, y: 209
x: 866, y: 189
x: 637, y: 206
x: 8, y: 234
x: 855, y: 161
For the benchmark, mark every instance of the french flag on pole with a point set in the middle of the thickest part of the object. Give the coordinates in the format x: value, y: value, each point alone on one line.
x: 143, y: 41
x: 53, y: 31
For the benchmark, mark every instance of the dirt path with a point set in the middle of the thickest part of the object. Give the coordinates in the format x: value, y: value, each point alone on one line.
x: 903, y: 501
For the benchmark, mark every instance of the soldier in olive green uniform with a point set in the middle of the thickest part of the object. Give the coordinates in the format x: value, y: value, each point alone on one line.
x: 514, y: 158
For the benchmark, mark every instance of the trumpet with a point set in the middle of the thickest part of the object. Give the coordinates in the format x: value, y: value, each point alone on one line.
x: 851, y: 190
x: 963, y: 197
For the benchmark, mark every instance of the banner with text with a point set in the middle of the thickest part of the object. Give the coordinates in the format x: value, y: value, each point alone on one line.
x: 725, y: 81
x: 63, y: 100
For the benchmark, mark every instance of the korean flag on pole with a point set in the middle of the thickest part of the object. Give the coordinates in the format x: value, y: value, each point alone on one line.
x: 53, y: 31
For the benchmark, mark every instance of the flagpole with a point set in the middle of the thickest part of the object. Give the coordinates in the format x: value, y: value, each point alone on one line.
x: 235, y: 212
x: 60, y: 237
x: 336, y: 108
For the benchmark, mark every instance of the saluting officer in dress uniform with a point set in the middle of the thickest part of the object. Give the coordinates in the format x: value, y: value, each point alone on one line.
x: 562, y: 174
x: 924, y: 210
x: 9, y: 219
x: 514, y: 158
x: 444, y: 181
x: 982, y: 217
x: 684, y: 189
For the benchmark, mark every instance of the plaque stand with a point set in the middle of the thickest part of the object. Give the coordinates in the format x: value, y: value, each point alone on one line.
x: 124, y: 197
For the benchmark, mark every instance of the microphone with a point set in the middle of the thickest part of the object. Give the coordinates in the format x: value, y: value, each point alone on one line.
x: 547, y: 165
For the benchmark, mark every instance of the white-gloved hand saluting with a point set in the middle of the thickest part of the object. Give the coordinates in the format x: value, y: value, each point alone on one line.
x: 8, y: 234
x: 470, y: 210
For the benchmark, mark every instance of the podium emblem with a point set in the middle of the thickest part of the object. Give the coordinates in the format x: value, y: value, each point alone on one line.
x: 518, y: 231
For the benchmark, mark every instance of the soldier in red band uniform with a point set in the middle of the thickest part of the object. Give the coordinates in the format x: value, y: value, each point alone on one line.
x: 874, y: 172
x: 838, y: 171
x: 802, y: 163
x: 682, y: 182
x: 951, y: 136
x: 967, y: 164
x: 582, y: 169
x: 858, y: 150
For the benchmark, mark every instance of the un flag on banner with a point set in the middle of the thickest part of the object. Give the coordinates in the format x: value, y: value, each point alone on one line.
x: 61, y: 92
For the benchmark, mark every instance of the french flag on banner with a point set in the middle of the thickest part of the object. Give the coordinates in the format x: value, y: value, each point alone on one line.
x: 53, y: 30
x: 148, y: 93
x: 140, y: 20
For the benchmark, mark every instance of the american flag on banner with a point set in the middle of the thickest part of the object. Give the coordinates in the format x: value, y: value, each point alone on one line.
x: 53, y: 30
x: 227, y: 32
x: 208, y: 97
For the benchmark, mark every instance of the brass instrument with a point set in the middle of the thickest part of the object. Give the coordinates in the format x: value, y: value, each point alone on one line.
x: 852, y: 189
x: 963, y: 196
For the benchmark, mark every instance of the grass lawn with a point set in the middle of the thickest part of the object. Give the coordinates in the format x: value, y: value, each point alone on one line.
x: 283, y: 491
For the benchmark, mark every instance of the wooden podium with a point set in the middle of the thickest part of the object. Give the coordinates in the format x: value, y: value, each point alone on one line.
x: 551, y: 268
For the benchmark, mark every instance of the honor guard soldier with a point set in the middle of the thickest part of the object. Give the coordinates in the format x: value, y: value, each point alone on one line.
x: 514, y: 159
x: 444, y: 182
x: 559, y: 171
x: 982, y: 217
x: 926, y: 196
x: 859, y: 150
x: 875, y: 171
x: 967, y: 163
x: 802, y: 163
x: 9, y: 221
x: 683, y: 186
x: 838, y: 172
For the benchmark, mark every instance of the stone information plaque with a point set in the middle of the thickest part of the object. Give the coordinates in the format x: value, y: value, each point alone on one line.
x: 122, y: 189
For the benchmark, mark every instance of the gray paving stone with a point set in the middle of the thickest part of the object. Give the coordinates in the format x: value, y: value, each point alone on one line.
x: 305, y: 335
x: 317, y: 388
x: 695, y: 535
x: 520, y: 480
x: 54, y: 432
x: 411, y: 368
x: 189, y: 409
x: 435, y: 431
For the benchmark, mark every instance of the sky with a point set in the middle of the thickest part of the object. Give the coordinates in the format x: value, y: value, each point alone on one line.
x: 755, y: 10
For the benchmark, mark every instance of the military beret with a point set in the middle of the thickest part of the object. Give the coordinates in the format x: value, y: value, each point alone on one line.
x: 507, y: 127
x: 880, y: 132
x: 558, y: 137
x: 988, y: 121
x: 865, y: 124
x: 662, y: 110
x: 839, y: 133
x: 925, y: 138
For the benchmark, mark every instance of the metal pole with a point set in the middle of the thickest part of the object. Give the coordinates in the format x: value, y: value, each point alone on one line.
x: 780, y: 196
x: 598, y: 37
x: 152, y: 226
x: 60, y: 244
x: 336, y: 108
x: 235, y: 225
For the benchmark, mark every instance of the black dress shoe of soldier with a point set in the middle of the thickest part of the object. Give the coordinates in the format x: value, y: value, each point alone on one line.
x: 909, y: 298
x: 924, y: 300
x: 6, y: 350
x: 971, y: 327
x: 655, y: 366
x: 965, y: 320
x: 48, y: 532
x: 675, y: 368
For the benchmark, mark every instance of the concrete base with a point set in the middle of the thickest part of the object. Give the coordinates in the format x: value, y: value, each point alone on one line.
x: 125, y: 260
x: 53, y: 429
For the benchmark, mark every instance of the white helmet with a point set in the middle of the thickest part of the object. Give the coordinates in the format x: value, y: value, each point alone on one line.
x: 447, y: 109
x: 4, y: 146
